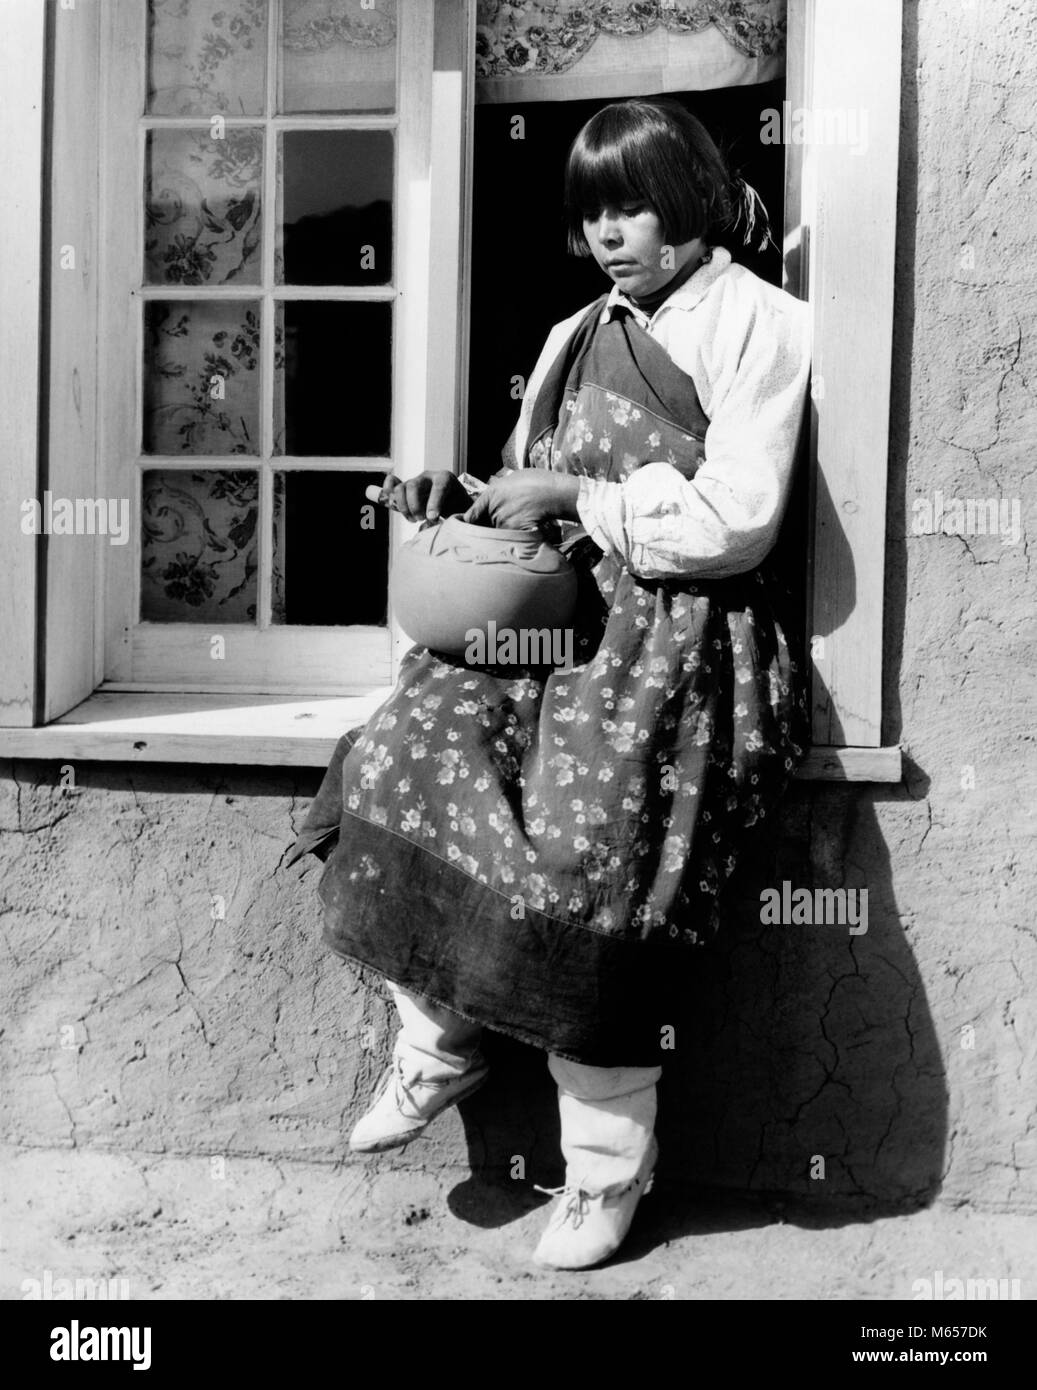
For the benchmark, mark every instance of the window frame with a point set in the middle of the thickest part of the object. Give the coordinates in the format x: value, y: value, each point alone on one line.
x: 264, y: 657
x: 840, y: 253
x: 53, y: 699
x: 23, y: 73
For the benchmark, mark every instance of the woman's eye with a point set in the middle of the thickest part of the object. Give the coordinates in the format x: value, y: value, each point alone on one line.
x: 631, y: 210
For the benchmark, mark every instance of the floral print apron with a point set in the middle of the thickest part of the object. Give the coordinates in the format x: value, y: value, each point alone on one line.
x: 537, y: 848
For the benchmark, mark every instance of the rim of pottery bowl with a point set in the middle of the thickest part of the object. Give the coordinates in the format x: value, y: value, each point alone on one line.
x: 501, y: 532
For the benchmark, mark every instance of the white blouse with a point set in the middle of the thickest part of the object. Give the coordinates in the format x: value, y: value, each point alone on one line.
x: 745, y: 345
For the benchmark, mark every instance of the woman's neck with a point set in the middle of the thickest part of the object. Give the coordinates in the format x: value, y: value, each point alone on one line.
x: 650, y: 302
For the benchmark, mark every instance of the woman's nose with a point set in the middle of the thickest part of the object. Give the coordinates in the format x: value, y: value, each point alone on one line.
x: 607, y: 230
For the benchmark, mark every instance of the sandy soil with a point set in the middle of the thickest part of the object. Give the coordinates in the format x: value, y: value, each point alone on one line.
x: 175, y: 1227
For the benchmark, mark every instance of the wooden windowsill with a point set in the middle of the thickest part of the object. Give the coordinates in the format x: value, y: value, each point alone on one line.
x: 282, y: 731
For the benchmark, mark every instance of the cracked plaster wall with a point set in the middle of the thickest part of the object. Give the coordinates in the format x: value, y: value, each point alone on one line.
x: 137, y: 1017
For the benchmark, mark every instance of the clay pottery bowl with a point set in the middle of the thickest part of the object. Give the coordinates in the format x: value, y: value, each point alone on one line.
x: 453, y: 579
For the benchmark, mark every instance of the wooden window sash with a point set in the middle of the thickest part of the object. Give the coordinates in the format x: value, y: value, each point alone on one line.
x: 840, y: 242
x: 280, y: 658
x: 22, y: 111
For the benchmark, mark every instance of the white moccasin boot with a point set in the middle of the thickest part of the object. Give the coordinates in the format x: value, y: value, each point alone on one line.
x: 436, y: 1063
x: 586, y: 1227
x: 404, y: 1106
x: 608, y: 1142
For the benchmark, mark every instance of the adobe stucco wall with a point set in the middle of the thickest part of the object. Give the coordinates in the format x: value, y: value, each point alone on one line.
x: 137, y: 1018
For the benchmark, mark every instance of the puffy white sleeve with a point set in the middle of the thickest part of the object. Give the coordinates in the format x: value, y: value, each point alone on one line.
x: 751, y: 365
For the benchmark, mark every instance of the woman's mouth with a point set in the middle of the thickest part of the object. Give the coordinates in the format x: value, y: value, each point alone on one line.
x: 621, y: 267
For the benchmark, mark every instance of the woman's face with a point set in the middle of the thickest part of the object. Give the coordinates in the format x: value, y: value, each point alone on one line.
x: 627, y: 242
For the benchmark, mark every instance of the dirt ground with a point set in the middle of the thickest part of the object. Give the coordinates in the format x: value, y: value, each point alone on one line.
x: 175, y: 1227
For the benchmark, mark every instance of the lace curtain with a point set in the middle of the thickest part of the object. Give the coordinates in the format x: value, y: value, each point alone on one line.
x: 208, y: 56
x: 565, y: 50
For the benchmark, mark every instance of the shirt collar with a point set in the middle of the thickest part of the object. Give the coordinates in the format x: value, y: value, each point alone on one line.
x: 686, y: 296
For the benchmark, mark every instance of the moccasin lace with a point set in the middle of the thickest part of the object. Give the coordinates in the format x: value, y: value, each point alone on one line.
x: 578, y: 1204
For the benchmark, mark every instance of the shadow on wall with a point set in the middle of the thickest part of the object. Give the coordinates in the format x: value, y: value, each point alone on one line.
x: 838, y: 604
x: 805, y: 1071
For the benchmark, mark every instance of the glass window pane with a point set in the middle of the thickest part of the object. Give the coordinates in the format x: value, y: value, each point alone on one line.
x: 207, y: 58
x: 202, y: 207
x: 199, y: 557
x: 338, y: 55
x: 201, y: 377
x: 335, y: 213
x: 332, y: 391
x: 331, y: 550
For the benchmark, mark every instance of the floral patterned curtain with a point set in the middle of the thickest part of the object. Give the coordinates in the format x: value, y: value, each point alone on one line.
x: 208, y: 56
x: 564, y: 50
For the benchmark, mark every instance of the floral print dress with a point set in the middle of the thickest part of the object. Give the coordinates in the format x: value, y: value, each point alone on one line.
x: 542, y: 849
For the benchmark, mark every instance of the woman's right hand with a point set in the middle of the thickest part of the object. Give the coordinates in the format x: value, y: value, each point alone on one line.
x: 427, y: 497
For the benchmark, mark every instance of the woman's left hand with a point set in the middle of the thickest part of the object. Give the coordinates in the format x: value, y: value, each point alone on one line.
x: 525, y: 497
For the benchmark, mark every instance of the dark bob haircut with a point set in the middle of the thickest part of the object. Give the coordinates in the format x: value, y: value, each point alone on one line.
x: 647, y: 151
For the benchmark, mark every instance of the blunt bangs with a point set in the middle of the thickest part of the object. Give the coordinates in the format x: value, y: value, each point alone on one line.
x: 650, y: 152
